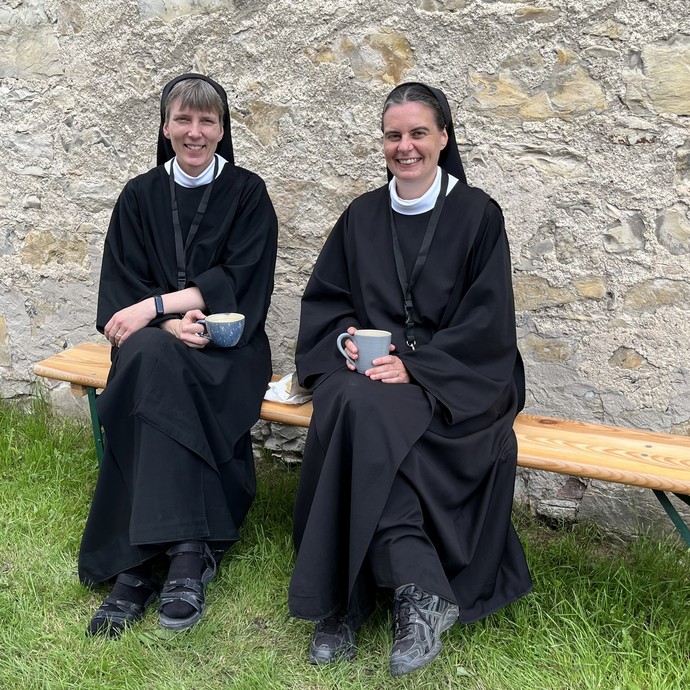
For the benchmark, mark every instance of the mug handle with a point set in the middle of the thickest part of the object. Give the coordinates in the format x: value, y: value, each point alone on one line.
x: 204, y: 333
x: 342, y: 350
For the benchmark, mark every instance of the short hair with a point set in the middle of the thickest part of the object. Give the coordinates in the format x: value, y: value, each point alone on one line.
x: 196, y: 94
x: 415, y: 93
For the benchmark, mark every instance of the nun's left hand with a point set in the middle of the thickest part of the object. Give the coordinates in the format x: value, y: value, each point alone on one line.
x: 129, y: 320
x: 388, y: 369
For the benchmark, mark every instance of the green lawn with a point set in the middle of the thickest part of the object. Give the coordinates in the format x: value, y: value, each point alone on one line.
x: 603, y: 615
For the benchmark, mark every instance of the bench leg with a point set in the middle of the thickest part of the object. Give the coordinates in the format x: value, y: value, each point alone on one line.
x: 673, y: 513
x: 95, y: 424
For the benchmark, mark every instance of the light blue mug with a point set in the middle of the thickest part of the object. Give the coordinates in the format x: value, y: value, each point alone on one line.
x: 224, y: 330
x: 371, y: 344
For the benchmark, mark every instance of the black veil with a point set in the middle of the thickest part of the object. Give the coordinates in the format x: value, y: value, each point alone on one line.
x: 449, y: 159
x: 165, y: 150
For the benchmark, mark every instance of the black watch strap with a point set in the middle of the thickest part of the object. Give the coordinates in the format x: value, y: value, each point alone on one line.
x: 160, y: 309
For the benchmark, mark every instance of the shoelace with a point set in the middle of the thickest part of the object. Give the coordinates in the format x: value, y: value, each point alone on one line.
x: 332, y: 625
x: 406, y: 604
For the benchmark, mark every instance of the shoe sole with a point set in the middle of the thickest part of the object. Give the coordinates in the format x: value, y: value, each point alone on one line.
x: 319, y: 657
x: 179, y: 623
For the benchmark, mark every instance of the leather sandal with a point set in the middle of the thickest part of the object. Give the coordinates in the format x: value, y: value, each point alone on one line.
x: 115, y: 614
x: 188, y: 590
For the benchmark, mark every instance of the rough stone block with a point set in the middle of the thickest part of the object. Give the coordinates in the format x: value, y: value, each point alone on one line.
x: 673, y: 230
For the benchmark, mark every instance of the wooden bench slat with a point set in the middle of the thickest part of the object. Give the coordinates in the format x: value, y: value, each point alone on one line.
x: 87, y: 364
x: 296, y: 415
x: 627, y: 456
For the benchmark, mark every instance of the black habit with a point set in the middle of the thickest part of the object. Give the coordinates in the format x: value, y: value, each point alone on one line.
x: 178, y: 461
x: 446, y: 439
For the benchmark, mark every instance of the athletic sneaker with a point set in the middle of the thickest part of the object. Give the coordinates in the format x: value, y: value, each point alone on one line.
x: 419, y: 618
x: 333, y: 639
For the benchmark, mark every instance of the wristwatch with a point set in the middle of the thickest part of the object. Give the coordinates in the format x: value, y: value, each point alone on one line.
x: 160, y: 309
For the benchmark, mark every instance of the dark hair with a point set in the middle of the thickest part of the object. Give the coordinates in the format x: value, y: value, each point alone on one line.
x: 196, y: 94
x: 415, y: 93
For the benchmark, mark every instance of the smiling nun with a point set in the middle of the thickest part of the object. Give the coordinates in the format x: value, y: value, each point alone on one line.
x: 408, y: 473
x: 194, y: 236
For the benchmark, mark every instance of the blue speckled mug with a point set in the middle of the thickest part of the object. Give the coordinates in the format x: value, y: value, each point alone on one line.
x: 224, y: 330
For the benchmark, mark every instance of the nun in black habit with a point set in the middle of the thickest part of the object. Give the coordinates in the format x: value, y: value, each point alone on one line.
x: 408, y: 473
x: 194, y: 236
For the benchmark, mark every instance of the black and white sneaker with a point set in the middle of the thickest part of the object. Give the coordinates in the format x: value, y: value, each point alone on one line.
x: 419, y: 618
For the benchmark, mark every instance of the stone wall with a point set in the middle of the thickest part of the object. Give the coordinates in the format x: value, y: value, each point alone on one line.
x: 573, y: 114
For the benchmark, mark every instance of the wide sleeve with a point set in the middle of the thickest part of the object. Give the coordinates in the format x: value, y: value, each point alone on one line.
x: 327, y: 310
x: 242, y: 280
x: 469, y: 363
x: 126, y: 275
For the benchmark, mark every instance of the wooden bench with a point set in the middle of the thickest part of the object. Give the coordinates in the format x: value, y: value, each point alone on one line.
x: 660, y: 462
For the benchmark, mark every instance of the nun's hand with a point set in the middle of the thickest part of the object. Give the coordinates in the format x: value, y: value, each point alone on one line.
x: 351, y: 349
x: 388, y: 369
x: 187, y: 329
x: 129, y: 320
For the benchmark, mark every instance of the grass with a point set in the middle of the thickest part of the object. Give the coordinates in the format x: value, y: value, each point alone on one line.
x: 603, y: 615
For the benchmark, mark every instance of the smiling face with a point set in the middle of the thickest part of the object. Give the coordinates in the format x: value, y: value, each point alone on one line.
x: 194, y: 135
x: 412, y: 143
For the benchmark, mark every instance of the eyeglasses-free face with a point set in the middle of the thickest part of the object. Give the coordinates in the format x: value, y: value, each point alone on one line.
x: 194, y: 136
x: 412, y: 144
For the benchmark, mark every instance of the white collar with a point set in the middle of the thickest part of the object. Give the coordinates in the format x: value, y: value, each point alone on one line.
x: 185, y: 180
x: 413, y: 207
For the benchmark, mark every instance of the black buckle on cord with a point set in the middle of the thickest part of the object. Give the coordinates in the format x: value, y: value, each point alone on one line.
x: 409, y: 322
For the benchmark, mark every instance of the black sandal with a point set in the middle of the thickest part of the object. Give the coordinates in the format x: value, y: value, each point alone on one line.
x: 115, y: 614
x: 188, y: 590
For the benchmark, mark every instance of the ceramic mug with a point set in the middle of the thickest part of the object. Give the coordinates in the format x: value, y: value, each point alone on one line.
x: 370, y: 343
x: 224, y: 330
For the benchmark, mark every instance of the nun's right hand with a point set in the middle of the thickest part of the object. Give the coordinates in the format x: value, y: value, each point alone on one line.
x: 187, y: 329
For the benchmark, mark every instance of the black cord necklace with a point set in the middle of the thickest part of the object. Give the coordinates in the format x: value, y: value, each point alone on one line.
x: 405, y: 283
x: 180, y: 246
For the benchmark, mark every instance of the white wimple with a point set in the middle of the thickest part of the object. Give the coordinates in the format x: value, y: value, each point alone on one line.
x: 413, y: 207
x: 205, y: 177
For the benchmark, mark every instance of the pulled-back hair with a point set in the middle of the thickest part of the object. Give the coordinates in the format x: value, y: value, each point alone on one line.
x: 415, y: 93
x: 196, y: 94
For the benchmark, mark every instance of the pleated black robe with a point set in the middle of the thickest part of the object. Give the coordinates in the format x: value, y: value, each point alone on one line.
x: 448, y: 432
x: 178, y: 460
